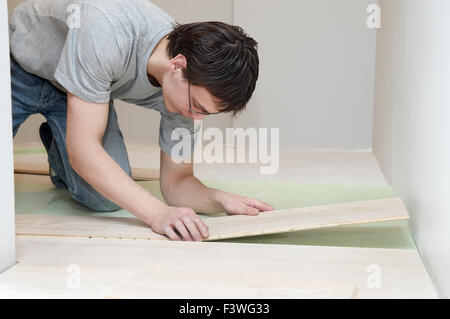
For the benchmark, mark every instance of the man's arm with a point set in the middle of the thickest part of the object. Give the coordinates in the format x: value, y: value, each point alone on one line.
x: 86, y: 124
x: 180, y: 187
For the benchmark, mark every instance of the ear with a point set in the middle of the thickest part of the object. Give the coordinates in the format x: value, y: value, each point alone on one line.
x: 178, y: 63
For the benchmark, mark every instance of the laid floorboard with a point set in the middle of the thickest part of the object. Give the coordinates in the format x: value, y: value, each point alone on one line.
x: 378, y: 273
x: 31, y: 168
x: 31, y: 158
x: 58, y: 280
x: 178, y: 282
x: 39, y: 168
x: 50, y: 280
x: 223, y: 227
x: 322, y: 166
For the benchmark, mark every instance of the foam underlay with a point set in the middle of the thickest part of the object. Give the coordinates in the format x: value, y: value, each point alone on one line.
x: 39, y: 196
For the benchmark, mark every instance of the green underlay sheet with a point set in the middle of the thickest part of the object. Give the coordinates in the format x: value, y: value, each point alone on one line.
x: 30, y: 151
x: 44, y: 198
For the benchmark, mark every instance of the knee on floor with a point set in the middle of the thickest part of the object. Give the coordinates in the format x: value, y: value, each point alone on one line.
x: 96, y: 203
x: 104, y: 207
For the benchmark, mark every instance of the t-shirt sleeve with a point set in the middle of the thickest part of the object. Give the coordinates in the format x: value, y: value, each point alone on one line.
x: 91, y: 57
x: 179, y: 132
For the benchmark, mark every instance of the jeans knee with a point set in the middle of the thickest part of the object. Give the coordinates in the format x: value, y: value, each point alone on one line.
x: 95, y: 203
x: 104, y: 206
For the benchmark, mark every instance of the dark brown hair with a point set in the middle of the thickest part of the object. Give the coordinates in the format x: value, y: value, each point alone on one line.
x: 220, y: 57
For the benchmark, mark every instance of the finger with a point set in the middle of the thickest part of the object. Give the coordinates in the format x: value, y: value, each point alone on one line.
x: 182, y: 230
x: 263, y: 207
x: 244, y: 209
x: 170, y: 233
x: 249, y: 210
x: 192, y: 228
x: 201, y: 226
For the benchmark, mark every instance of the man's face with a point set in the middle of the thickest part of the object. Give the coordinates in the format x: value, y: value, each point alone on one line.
x: 176, y: 94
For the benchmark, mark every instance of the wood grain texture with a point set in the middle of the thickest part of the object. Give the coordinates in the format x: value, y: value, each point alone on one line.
x: 223, y: 227
x: 51, y: 280
x: 39, y: 168
x: 31, y: 158
x: 58, y: 280
x: 178, y: 282
x: 399, y: 273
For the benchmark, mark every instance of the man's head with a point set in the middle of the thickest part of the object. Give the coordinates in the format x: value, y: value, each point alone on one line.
x: 219, y: 62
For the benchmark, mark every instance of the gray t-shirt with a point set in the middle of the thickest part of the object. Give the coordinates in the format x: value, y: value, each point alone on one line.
x: 96, y: 49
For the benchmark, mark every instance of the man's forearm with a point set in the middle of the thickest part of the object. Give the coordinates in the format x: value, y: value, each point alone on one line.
x: 109, y: 179
x: 188, y: 191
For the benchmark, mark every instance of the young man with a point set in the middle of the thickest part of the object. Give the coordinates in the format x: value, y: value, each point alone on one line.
x: 71, y: 59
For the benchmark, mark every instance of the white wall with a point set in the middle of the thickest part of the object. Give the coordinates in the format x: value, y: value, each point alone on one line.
x: 412, y: 116
x: 7, y: 229
x: 317, y: 70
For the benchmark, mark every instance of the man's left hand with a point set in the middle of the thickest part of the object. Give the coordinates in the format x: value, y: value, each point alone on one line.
x: 240, y: 205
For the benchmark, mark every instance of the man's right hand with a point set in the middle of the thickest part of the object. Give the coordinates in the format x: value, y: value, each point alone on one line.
x: 179, y: 223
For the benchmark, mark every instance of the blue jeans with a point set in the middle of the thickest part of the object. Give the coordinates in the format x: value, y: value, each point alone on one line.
x: 32, y: 94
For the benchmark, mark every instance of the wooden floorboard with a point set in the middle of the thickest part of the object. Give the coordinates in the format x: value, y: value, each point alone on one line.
x: 51, y: 280
x: 223, y: 227
x: 38, y: 168
x: 378, y: 273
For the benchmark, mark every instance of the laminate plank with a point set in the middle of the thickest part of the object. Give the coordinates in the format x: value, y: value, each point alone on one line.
x: 60, y: 281
x: 278, y: 221
x: 50, y: 280
x: 144, y: 161
x: 41, y: 168
x: 378, y: 273
x: 178, y: 282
